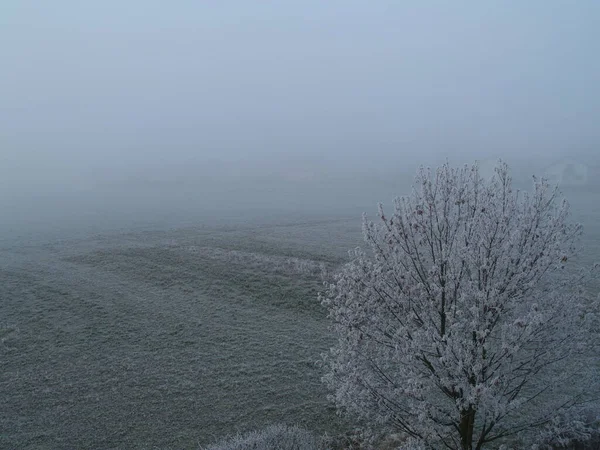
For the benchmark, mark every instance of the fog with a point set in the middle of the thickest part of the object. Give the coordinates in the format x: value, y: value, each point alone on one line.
x: 130, y: 113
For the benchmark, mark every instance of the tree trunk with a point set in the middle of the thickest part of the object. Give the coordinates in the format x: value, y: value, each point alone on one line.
x: 467, y: 420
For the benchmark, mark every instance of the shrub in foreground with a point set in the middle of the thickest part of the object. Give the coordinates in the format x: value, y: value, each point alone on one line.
x: 274, y: 437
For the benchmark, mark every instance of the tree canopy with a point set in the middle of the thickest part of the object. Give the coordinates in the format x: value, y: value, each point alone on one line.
x: 461, y: 325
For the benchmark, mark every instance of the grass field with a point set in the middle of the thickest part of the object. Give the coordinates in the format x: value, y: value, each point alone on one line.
x: 164, y: 339
x: 174, y: 338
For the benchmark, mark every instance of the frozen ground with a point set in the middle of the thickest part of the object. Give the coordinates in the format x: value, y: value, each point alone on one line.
x: 165, y: 339
x: 173, y: 338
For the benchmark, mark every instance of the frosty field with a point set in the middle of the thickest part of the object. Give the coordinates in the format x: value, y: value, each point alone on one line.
x: 174, y: 338
x: 164, y: 339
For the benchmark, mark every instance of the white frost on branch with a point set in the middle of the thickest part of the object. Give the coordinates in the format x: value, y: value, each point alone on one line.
x: 458, y: 326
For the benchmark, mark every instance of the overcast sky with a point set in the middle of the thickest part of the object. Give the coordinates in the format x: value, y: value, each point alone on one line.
x: 90, y: 88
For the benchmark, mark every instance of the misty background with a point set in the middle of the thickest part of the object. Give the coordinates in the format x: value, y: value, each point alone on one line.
x: 117, y: 114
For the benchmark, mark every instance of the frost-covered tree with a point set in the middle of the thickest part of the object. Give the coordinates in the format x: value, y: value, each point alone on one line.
x: 460, y: 326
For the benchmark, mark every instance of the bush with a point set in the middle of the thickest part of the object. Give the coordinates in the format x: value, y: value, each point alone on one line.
x: 274, y: 437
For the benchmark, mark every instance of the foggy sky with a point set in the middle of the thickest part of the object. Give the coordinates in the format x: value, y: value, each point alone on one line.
x: 125, y: 90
